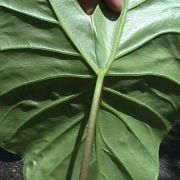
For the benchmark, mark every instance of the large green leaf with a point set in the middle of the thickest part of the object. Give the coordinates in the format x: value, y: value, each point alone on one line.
x: 60, y: 67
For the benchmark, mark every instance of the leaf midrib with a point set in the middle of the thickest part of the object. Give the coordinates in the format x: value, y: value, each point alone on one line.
x: 89, y: 61
x: 101, y: 73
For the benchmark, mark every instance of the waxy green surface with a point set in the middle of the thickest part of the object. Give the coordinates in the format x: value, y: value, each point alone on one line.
x: 56, y: 61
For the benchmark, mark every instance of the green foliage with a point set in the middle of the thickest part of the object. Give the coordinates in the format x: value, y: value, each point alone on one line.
x: 51, y: 54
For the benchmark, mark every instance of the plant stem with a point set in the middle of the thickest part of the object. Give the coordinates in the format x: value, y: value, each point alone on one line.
x: 91, y: 128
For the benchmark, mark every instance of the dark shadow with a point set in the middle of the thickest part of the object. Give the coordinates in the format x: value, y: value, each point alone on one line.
x: 135, y: 110
x: 144, y: 84
x: 8, y: 157
x: 66, y: 86
x: 76, y: 149
x: 119, y: 165
x: 170, y: 154
x: 113, y: 16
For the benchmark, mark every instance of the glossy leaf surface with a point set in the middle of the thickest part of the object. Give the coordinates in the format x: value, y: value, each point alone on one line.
x: 56, y: 61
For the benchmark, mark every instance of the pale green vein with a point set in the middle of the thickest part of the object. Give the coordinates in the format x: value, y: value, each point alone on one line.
x: 120, y: 30
x: 42, y: 110
x: 28, y: 14
x: 116, y: 113
x: 91, y: 127
x: 120, y: 163
x: 120, y: 74
x: 145, y: 41
x: 165, y: 98
x: 97, y: 146
x: 135, y: 101
x: 26, y: 47
x: 58, y: 136
x: 44, y: 79
x: 114, y: 154
x: 153, y: 134
x: 104, y: 175
x: 68, y: 156
x: 135, y: 5
x: 65, y: 130
x: 88, y: 60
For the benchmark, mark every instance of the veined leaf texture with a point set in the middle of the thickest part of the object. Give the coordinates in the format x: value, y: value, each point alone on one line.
x: 66, y: 76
